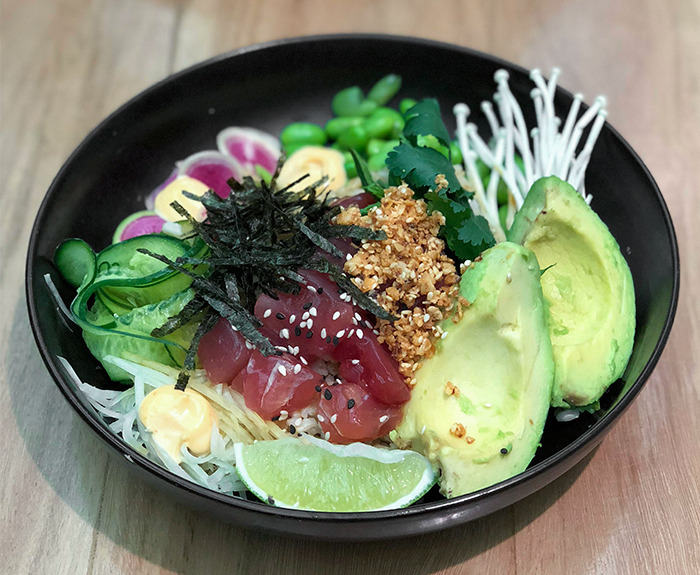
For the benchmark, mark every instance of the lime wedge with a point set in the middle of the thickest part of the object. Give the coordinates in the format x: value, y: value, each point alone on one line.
x: 309, y: 473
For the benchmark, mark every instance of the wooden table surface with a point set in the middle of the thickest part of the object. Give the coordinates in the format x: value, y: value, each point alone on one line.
x: 66, y: 508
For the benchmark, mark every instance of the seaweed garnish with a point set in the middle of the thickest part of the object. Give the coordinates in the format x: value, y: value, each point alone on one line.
x: 255, y: 241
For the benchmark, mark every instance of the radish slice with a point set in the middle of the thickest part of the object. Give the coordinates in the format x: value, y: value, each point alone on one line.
x: 138, y: 224
x: 213, y: 169
x: 250, y: 147
x: 151, y: 199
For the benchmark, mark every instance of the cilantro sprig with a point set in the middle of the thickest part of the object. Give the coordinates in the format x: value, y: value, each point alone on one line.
x: 465, y: 233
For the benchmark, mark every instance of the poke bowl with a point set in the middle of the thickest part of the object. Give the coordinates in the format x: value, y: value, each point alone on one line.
x: 132, y: 152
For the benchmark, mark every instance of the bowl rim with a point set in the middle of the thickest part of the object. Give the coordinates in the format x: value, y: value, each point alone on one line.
x: 582, y: 444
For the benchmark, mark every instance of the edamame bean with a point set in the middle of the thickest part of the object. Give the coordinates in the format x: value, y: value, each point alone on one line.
x: 335, y: 126
x: 385, y: 89
x: 378, y: 125
x: 355, y: 137
x: 377, y: 162
x: 385, y: 122
x: 456, y: 152
x: 351, y: 169
x: 406, y: 104
x: 303, y: 133
x: 502, y: 215
x: 351, y: 102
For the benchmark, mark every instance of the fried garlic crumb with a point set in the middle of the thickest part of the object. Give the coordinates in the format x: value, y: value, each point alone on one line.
x: 458, y: 430
x: 412, y: 277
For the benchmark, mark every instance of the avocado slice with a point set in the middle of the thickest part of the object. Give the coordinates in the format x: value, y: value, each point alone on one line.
x: 588, y: 289
x: 479, y: 405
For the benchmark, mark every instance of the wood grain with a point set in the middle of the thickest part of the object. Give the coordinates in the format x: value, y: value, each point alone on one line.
x: 66, y: 508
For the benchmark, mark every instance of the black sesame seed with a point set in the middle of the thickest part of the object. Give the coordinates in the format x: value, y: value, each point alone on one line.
x: 279, y: 315
x: 319, y: 291
x: 309, y: 334
x: 504, y: 450
x: 307, y: 305
x: 275, y: 418
x: 317, y: 388
x: 351, y: 403
x: 327, y: 394
x: 336, y: 340
x: 297, y: 331
x: 270, y: 500
x: 292, y: 429
x: 328, y: 339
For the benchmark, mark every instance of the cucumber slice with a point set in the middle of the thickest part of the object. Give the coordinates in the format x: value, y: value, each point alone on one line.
x: 76, y: 261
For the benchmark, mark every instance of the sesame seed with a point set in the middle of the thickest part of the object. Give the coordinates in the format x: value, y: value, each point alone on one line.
x: 279, y: 315
x: 268, y: 313
x: 282, y: 369
x: 249, y: 345
x: 368, y: 324
x: 298, y: 422
x: 336, y: 340
x: 334, y: 418
x: 318, y: 388
x: 292, y: 429
x: 328, y: 339
x: 327, y: 435
x: 383, y: 419
x: 355, y: 361
x: 422, y: 431
x: 275, y: 417
x: 487, y: 405
x: 313, y: 311
x: 305, y: 316
x: 504, y: 450
x: 444, y: 335
x: 297, y: 368
x: 292, y: 319
x: 359, y: 333
x: 302, y: 359
x: 309, y: 334
x: 348, y: 257
x: 327, y: 394
x: 319, y: 291
x: 358, y: 317
x: 320, y: 418
x: 307, y: 305
x: 351, y: 403
x: 284, y: 412
x: 323, y: 333
x: 350, y: 333
x: 340, y: 334
x: 311, y: 288
x: 336, y: 315
x: 310, y: 323
x: 284, y: 334
x: 297, y: 331
x: 426, y: 317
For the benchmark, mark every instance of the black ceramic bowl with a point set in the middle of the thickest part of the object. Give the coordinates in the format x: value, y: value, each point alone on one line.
x: 267, y: 87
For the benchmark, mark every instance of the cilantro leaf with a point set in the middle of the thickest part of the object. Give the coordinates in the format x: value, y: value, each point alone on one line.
x: 419, y: 167
x: 466, y: 235
x: 365, y: 175
x: 424, y: 119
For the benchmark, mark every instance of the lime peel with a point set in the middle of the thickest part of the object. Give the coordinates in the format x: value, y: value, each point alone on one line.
x: 313, y: 474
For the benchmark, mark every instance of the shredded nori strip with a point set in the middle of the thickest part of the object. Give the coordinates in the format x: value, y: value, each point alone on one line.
x: 258, y: 239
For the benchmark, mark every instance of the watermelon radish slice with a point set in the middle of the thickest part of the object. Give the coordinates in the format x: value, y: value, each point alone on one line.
x: 250, y: 147
x: 138, y: 224
x: 213, y: 169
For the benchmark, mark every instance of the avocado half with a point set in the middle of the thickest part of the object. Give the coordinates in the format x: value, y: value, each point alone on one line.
x: 588, y: 288
x: 479, y: 405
